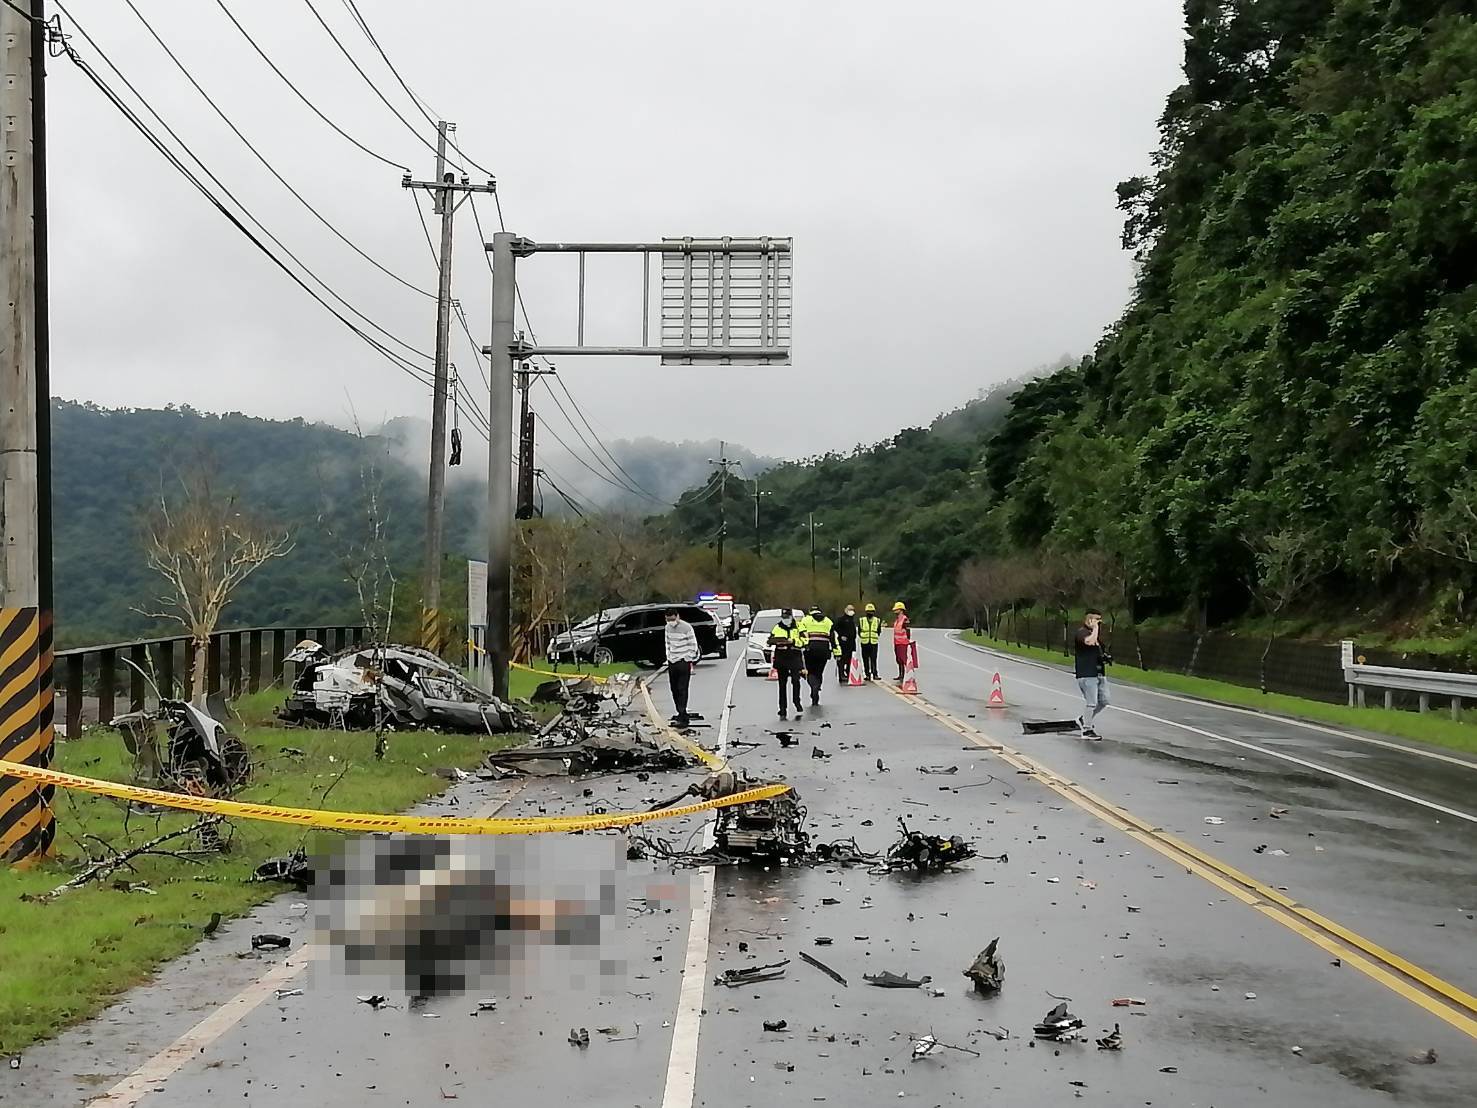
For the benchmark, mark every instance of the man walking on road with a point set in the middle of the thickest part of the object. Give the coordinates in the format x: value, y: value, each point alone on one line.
x: 1092, y: 670
x: 846, y: 640
x: 820, y: 645
x: 682, y: 656
x: 869, y: 633
x: 786, y: 646
x: 902, y: 638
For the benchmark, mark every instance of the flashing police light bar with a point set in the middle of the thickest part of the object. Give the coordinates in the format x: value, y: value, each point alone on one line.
x: 715, y: 596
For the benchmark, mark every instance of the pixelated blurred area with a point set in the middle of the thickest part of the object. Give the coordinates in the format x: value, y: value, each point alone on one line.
x: 442, y: 915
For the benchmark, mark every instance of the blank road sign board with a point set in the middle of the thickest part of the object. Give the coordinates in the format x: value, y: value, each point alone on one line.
x: 727, y: 293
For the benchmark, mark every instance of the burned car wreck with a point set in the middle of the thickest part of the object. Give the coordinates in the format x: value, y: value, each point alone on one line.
x: 405, y: 687
x: 199, y: 755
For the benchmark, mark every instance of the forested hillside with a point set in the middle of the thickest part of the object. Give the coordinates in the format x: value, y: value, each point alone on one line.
x: 1298, y: 367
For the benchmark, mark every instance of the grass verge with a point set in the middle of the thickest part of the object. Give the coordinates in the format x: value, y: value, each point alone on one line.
x: 1430, y: 728
x: 64, y: 961
x: 522, y: 682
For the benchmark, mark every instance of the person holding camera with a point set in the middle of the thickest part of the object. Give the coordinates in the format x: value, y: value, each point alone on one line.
x: 1092, y: 662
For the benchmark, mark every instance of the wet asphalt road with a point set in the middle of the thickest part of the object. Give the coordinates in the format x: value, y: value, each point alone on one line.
x: 1390, y: 868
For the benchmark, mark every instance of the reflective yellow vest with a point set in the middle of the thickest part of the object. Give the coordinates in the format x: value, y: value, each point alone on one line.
x: 819, y: 631
x: 784, y: 639
x: 869, y: 630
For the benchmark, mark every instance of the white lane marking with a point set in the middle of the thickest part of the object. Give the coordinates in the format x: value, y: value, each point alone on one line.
x: 682, y: 1061
x: 1340, y: 774
x: 1419, y: 752
x: 150, y: 1077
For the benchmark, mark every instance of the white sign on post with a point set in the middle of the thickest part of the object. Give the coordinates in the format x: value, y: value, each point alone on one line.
x: 476, y: 610
x: 730, y: 294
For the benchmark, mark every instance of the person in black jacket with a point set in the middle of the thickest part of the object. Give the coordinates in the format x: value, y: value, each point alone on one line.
x: 786, y: 646
x: 846, y: 640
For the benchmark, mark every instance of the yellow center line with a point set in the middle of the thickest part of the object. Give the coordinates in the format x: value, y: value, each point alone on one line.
x: 1419, y: 986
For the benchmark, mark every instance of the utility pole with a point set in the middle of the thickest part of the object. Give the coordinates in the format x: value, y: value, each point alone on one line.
x: 722, y: 462
x: 813, y: 526
x: 500, y: 463
x: 444, y: 201
x: 758, y: 535
x: 27, y: 825
x: 840, y: 552
x: 859, y: 586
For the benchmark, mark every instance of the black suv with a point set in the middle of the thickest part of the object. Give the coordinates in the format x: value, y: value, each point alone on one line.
x: 635, y: 634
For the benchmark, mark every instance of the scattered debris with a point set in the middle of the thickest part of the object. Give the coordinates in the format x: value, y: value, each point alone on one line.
x: 292, y: 868
x: 1425, y: 1058
x: 1059, y: 1025
x: 846, y: 852
x: 889, y: 980
x: 823, y: 940
x: 776, y: 1025
x: 817, y: 752
x: 375, y: 1000
x: 1111, y: 1041
x: 927, y: 853
x: 283, y: 994
x: 200, y: 756
x: 580, y: 1038
x: 925, y: 1045
x: 947, y: 770
x: 751, y: 975
x: 786, y: 738
x: 987, y: 971
x: 392, y: 685
x: 1128, y: 1002
x: 818, y: 964
x: 1169, y: 1069
x: 880, y: 767
x: 1133, y: 907
x: 610, y: 751
x: 213, y: 926
x: 1277, y: 813
x: 1264, y: 849
x: 1297, y: 1050
x: 270, y: 942
x: 1214, y: 821
x: 1048, y: 726
x: 1251, y: 996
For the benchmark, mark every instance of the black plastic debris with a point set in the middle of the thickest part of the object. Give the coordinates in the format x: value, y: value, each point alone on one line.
x: 292, y: 868
x: 1047, y: 726
x: 844, y: 852
x: 214, y: 925
x: 579, y: 1038
x: 817, y: 752
x: 786, y: 738
x: 751, y: 975
x: 927, y: 853
x: 880, y: 767
x: 1059, y: 1026
x: 375, y: 1000
x: 939, y: 769
x: 827, y: 970
x: 776, y: 1025
x: 824, y: 940
x: 270, y: 942
x: 888, y: 980
x: 1111, y: 1041
x: 987, y: 971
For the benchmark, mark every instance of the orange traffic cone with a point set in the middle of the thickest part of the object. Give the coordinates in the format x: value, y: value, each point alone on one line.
x: 854, y: 679
x: 910, y: 681
x: 774, y: 674
x: 997, y: 693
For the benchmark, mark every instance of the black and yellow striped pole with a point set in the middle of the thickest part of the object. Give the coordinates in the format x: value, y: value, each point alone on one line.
x: 27, y: 826
x: 431, y: 629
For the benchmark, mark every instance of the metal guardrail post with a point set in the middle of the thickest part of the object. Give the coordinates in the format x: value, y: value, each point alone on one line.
x: 279, y: 651
x: 75, y: 663
x: 138, y: 654
x: 321, y: 635
x: 166, y: 667
x: 254, y: 662
x: 106, y: 675
x: 340, y: 638
x: 213, y: 665
x: 192, y: 660
x: 233, y: 664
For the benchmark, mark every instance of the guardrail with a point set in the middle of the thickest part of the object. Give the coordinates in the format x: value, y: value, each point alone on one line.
x: 1424, y: 682
x: 233, y: 665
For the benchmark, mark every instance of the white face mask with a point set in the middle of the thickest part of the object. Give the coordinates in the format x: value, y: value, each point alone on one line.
x: 851, y: 611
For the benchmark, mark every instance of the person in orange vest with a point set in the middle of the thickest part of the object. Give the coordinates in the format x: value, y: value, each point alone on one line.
x: 902, y: 637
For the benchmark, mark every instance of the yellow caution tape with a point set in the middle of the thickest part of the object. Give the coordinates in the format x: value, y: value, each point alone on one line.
x: 702, y: 754
x: 370, y: 821
x: 595, y: 677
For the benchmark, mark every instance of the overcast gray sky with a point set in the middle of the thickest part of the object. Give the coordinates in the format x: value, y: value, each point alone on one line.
x: 946, y: 171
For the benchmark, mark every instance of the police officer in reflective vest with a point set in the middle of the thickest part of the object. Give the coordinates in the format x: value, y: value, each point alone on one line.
x: 869, y: 634
x: 820, y: 645
x: 786, y: 646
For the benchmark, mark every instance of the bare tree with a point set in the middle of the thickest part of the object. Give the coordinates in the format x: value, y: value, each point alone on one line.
x: 204, y: 546
x: 984, y: 584
x: 1286, y: 565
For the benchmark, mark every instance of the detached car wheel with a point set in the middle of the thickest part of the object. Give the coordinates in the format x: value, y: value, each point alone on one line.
x: 603, y: 656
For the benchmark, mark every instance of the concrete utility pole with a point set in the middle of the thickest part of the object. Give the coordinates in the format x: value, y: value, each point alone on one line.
x: 444, y: 203
x: 723, y: 462
x: 27, y: 825
x: 758, y: 534
x: 840, y: 552
x: 859, y: 585
x: 500, y: 464
x: 813, y: 526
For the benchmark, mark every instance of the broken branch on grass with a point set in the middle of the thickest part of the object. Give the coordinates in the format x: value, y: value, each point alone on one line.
x: 106, y: 867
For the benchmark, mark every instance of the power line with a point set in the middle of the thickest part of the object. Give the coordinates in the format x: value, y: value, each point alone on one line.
x: 273, y: 170
x: 416, y: 100
x: 373, y: 87
x: 301, y: 96
x: 173, y: 159
x: 600, y: 442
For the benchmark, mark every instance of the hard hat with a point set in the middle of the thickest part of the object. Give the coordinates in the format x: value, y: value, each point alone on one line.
x: 871, y: 607
x: 899, y: 607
